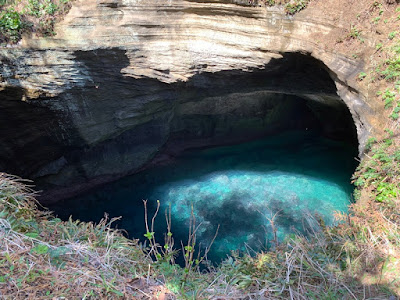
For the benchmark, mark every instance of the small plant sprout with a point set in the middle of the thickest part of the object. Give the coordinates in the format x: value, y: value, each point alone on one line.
x: 354, y: 33
x: 376, y: 20
x: 362, y: 76
x: 167, y: 253
x: 392, y: 35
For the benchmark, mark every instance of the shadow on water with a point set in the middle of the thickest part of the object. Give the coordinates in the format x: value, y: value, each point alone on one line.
x: 237, y: 187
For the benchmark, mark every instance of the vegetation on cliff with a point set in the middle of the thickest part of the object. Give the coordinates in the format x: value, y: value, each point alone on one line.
x: 39, y: 16
x: 29, y: 16
x: 291, y: 6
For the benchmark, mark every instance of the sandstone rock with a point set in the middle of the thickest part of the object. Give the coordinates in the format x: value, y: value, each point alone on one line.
x: 124, y: 81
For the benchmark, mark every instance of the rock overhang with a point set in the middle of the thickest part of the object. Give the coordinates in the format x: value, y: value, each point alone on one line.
x: 116, y: 68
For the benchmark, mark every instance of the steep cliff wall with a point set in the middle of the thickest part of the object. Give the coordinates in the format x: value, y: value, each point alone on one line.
x: 127, y: 81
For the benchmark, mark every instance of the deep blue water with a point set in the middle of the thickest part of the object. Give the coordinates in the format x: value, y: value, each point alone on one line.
x: 237, y: 187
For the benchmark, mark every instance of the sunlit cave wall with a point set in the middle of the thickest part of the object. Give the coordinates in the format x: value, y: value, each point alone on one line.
x: 115, y: 125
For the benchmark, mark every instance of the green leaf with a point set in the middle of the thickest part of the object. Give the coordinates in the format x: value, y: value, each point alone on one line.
x: 149, y: 235
x: 362, y: 75
x: 34, y: 235
x: 40, y: 249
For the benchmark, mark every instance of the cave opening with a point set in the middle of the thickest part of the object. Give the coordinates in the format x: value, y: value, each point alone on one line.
x: 271, y: 145
x: 242, y: 147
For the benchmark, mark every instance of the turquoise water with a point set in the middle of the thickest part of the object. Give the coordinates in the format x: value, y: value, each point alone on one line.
x: 236, y: 187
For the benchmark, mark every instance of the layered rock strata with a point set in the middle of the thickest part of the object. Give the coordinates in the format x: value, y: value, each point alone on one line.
x: 129, y: 82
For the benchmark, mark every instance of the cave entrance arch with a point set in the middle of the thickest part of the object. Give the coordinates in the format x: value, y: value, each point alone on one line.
x: 295, y: 91
x: 238, y: 188
x: 102, y: 133
x: 156, y: 121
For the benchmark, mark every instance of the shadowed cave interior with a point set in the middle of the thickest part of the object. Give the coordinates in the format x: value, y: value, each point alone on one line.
x: 238, y: 146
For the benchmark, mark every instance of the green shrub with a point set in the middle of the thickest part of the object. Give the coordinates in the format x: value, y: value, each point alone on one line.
x: 392, y: 70
x: 295, y: 6
x: 34, y: 8
x: 388, y: 97
x: 50, y: 8
x: 396, y: 111
x: 387, y: 192
x: 37, y: 16
x: 11, y: 24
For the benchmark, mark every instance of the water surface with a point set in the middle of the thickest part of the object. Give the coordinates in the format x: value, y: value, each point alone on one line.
x: 239, y: 187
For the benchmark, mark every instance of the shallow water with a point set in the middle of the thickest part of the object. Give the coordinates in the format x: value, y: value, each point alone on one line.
x: 237, y: 187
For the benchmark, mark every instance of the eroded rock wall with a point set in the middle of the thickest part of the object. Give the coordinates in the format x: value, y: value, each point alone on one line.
x: 124, y: 82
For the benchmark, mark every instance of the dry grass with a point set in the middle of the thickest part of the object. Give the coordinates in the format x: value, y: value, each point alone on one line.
x: 43, y: 257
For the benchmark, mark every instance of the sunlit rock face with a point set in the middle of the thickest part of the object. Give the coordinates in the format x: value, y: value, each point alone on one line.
x: 127, y: 83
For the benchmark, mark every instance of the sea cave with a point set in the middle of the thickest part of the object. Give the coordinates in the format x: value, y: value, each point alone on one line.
x: 255, y: 154
x: 199, y: 149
